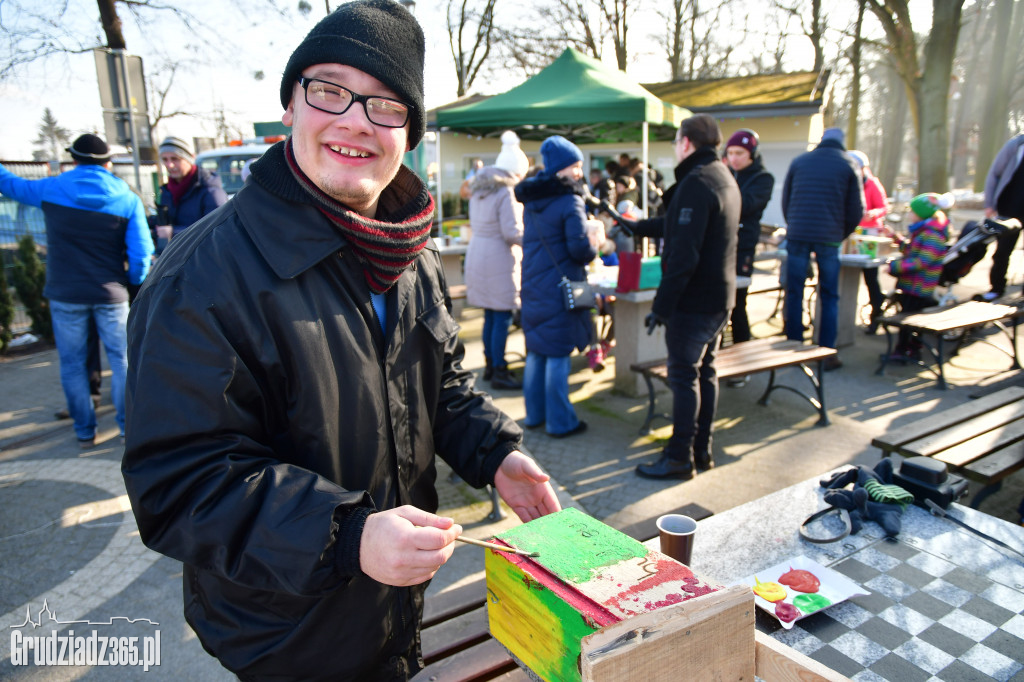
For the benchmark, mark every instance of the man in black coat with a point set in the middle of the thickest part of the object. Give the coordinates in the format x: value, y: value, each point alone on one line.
x: 697, y: 291
x: 295, y: 370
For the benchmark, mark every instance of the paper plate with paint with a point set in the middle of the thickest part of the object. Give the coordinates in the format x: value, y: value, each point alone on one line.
x: 798, y: 587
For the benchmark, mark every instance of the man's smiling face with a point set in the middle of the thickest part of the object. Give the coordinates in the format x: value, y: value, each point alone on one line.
x: 345, y: 155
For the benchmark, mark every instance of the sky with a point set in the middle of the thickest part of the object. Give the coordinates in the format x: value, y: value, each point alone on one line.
x: 231, y: 48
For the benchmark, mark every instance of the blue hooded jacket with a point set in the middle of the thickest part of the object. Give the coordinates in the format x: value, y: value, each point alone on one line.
x: 94, y: 223
x: 553, y: 217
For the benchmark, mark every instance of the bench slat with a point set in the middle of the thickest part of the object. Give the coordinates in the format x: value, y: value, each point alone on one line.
x: 446, y: 605
x: 981, y: 445
x: 996, y: 466
x: 451, y: 636
x: 482, y: 661
x: 894, y: 440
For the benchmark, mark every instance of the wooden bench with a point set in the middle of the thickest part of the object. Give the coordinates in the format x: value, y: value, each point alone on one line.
x: 956, y: 324
x: 981, y: 439
x: 751, y: 357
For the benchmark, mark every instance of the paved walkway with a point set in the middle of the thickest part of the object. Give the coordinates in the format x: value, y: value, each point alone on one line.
x: 68, y: 540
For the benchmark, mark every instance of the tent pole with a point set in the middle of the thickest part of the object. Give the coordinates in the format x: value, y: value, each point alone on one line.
x: 644, y: 147
x: 440, y: 204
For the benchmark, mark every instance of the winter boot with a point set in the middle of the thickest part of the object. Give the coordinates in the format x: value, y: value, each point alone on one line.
x: 505, y: 379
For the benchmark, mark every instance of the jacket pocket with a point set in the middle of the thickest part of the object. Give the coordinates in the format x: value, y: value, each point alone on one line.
x: 439, y: 323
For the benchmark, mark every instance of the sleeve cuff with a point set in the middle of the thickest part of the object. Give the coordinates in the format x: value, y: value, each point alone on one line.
x: 349, y: 534
x: 497, y: 456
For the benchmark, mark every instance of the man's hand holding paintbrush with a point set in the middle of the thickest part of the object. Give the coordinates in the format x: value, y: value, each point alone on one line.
x: 406, y: 546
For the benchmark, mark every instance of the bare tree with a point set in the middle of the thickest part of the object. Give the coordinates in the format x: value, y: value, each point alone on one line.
x: 52, y: 139
x: 926, y: 79
x: 855, y: 64
x: 469, y: 60
x: 33, y: 31
x: 616, y: 15
x: 568, y: 23
x: 813, y: 27
x: 690, y: 39
x: 999, y: 85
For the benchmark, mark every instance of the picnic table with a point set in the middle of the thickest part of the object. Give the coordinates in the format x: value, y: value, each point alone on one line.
x: 956, y: 324
x: 939, y: 602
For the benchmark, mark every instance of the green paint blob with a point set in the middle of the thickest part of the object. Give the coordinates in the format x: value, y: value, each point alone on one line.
x: 809, y: 603
x: 573, y: 545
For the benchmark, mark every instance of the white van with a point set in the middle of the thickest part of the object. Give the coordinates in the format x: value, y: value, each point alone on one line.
x: 228, y: 162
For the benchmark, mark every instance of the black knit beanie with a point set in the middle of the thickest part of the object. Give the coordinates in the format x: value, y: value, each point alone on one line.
x: 378, y: 37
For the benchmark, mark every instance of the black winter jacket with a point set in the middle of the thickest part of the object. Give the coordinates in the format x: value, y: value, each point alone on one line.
x: 755, y: 185
x: 822, y: 197
x: 268, y: 415
x: 700, y: 228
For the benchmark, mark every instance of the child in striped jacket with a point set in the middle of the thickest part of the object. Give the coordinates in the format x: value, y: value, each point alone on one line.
x: 917, y: 273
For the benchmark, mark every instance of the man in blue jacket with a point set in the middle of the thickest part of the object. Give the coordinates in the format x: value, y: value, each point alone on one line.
x: 92, y: 220
x: 822, y: 201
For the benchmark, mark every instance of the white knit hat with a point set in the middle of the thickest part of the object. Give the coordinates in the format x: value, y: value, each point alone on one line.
x: 512, y: 158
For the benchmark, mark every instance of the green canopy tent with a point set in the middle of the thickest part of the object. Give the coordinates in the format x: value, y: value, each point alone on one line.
x: 574, y: 96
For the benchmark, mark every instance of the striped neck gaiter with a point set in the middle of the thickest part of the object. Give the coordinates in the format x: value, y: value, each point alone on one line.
x: 385, y: 249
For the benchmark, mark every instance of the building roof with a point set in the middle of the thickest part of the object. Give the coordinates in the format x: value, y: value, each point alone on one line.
x: 761, y: 91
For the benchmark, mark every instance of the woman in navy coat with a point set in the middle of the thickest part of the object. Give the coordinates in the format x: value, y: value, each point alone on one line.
x: 555, y: 245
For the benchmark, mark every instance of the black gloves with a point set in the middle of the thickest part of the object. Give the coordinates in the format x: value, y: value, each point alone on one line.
x: 858, y: 501
x: 652, y: 321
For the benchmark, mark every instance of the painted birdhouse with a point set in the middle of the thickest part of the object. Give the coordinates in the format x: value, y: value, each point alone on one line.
x: 598, y: 605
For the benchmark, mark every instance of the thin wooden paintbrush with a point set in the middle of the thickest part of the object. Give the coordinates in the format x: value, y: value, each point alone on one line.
x: 496, y: 547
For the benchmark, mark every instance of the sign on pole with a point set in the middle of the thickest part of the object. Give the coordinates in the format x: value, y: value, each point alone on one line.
x: 123, y: 98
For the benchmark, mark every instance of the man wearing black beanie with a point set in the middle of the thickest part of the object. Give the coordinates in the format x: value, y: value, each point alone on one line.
x: 301, y: 335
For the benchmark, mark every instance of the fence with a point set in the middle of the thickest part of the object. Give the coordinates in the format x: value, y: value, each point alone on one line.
x: 17, y: 219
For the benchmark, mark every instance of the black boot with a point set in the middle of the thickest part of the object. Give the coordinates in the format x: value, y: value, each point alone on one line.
x: 666, y: 468
x: 703, y: 461
x: 505, y: 379
x: 488, y: 369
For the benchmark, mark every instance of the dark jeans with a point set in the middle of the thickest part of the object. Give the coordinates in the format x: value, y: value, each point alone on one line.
x: 495, y: 335
x: 798, y: 257
x: 1005, y: 244
x: 874, y: 291
x: 909, y: 304
x: 693, y: 340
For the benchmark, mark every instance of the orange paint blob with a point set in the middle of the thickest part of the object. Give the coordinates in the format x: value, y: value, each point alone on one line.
x: 800, y: 580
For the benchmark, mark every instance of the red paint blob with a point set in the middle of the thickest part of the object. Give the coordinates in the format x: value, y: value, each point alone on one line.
x: 787, y: 613
x: 800, y: 580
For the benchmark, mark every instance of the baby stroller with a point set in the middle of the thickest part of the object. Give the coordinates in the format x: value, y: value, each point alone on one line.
x: 969, y: 249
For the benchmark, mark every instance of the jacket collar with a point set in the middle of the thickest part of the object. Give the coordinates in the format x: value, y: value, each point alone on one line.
x: 701, y: 156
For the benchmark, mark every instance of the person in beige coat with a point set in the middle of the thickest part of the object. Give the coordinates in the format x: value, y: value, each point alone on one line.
x: 495, y: 253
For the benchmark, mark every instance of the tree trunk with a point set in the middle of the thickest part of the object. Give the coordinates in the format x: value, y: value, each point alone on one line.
x: 851, y: 132
x: 887, y: 165
x: 111, y: 24
x: 997, y: 92
x: 966, y: 105
x: 932, y: 96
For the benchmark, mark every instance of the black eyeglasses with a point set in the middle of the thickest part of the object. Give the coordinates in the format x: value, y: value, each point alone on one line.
x: 336, y: 99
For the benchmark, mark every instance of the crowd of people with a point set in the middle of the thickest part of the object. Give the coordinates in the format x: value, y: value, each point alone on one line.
x: 301, y: 333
